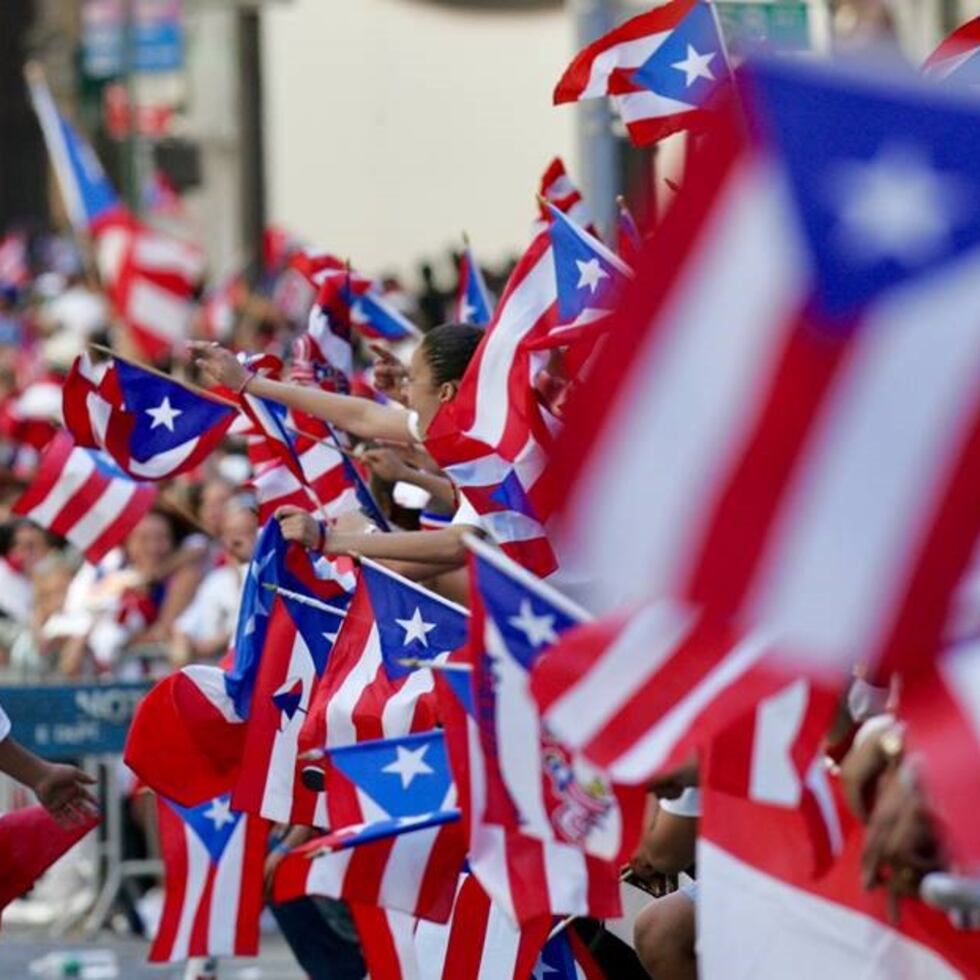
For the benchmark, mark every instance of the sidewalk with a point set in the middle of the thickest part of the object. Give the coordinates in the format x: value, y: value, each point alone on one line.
x: 19, y: 948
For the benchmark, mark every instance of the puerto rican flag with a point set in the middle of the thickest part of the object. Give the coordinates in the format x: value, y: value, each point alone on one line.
x: 956, y: 58
x: 150, y: 276
x: 473, y: 304
x: 480, y: 940
x: 636, y: 692
x: 151, y: 426
x: 366, y: 692
x: 761, y: 910
x: 323, y: 468
x: 396, y: 841
x: 823, y: 488
x: 589, y: 279
x: 537, y: 786
x: 492, y: 438
x: 660, y: 68
x: 288, y: 623
x: 559, y: 190
x: 372, y: 316
x: 83, y: 496
x: 214, y: 861
x: 187, y: 738
x: 526, y: 877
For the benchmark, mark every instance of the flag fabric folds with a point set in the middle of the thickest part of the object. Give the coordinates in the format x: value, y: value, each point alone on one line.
x: 527, y: 877
x: 151, y: 426
x: 31, y: 840
x: 473, y: 303
x: 396, y: 840
x: 83, y: 496
x: 214, y: 860
x: 827, y: 383
x: 149, y: 276
x: 536, y: 785
x: 660, y: 68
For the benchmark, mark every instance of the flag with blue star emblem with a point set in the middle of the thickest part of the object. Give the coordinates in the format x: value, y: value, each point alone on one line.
x: 544, y: 790
x: 473, y: 303
x: 413, y: 622
x: 393, y: 786
x: 288, y: 622
x: 590, y: 276
x: 661, y: 69
x: 374, y: 317
x: 825, y: 488
x: 396, y: 840
x: 529, y: 880
x: 153, y: 427
x: 214, y: 863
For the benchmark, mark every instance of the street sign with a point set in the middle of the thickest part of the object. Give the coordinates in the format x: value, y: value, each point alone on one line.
x: 777, y: 26
x: 158, y: 36
x: 64, y: 722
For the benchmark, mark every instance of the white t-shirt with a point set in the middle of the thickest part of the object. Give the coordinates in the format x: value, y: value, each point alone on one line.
x: 688, y: 804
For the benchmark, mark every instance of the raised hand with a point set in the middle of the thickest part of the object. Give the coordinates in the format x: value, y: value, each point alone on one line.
x: 218, y: 365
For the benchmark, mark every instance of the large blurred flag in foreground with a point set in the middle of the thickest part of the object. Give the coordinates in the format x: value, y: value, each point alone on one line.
x: 150, y: 276
x: 814, y: 341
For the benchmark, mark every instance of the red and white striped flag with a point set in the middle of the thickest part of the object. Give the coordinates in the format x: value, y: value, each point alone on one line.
x: 214, y: 861
x: 150, y: 277
x: 83, y: 496
x: 762, y: 912
x: 561, y: 191
x: 824, y: 485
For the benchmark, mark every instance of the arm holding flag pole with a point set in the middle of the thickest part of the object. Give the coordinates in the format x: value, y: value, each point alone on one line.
x: 358, y: 416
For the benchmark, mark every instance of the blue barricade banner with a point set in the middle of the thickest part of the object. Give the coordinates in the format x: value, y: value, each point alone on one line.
x: 63, y: 722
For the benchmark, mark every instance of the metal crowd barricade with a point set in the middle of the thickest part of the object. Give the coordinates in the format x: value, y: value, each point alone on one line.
x: 86, y: 724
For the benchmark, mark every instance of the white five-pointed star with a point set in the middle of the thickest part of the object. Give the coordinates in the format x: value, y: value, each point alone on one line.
x: 164, y: 414
x: 590, y: 274
x: 541, y: 969
x: 357, y: 314
x: 416, y: 628
x: 895, y: 206
x: 695, y: 66
x: 467, y: 312
x: 537, y: 629
x: 408, y: 764
x: 219, y: 813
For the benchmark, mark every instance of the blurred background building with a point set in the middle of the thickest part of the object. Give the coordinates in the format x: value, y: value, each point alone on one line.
x: 381, y: 129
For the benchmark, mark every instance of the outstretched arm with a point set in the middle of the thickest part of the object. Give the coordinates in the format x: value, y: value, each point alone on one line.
x: 359, y: 416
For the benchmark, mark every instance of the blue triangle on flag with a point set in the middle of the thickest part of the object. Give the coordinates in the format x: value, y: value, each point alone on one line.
x: 689, y: 63
x: 289, y: 697
x: 411, y: 622
x: 213, y: 823
x: 404, y: 776
x: 511, y: 495
x: 527, y: 621
x: 851, y: 148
